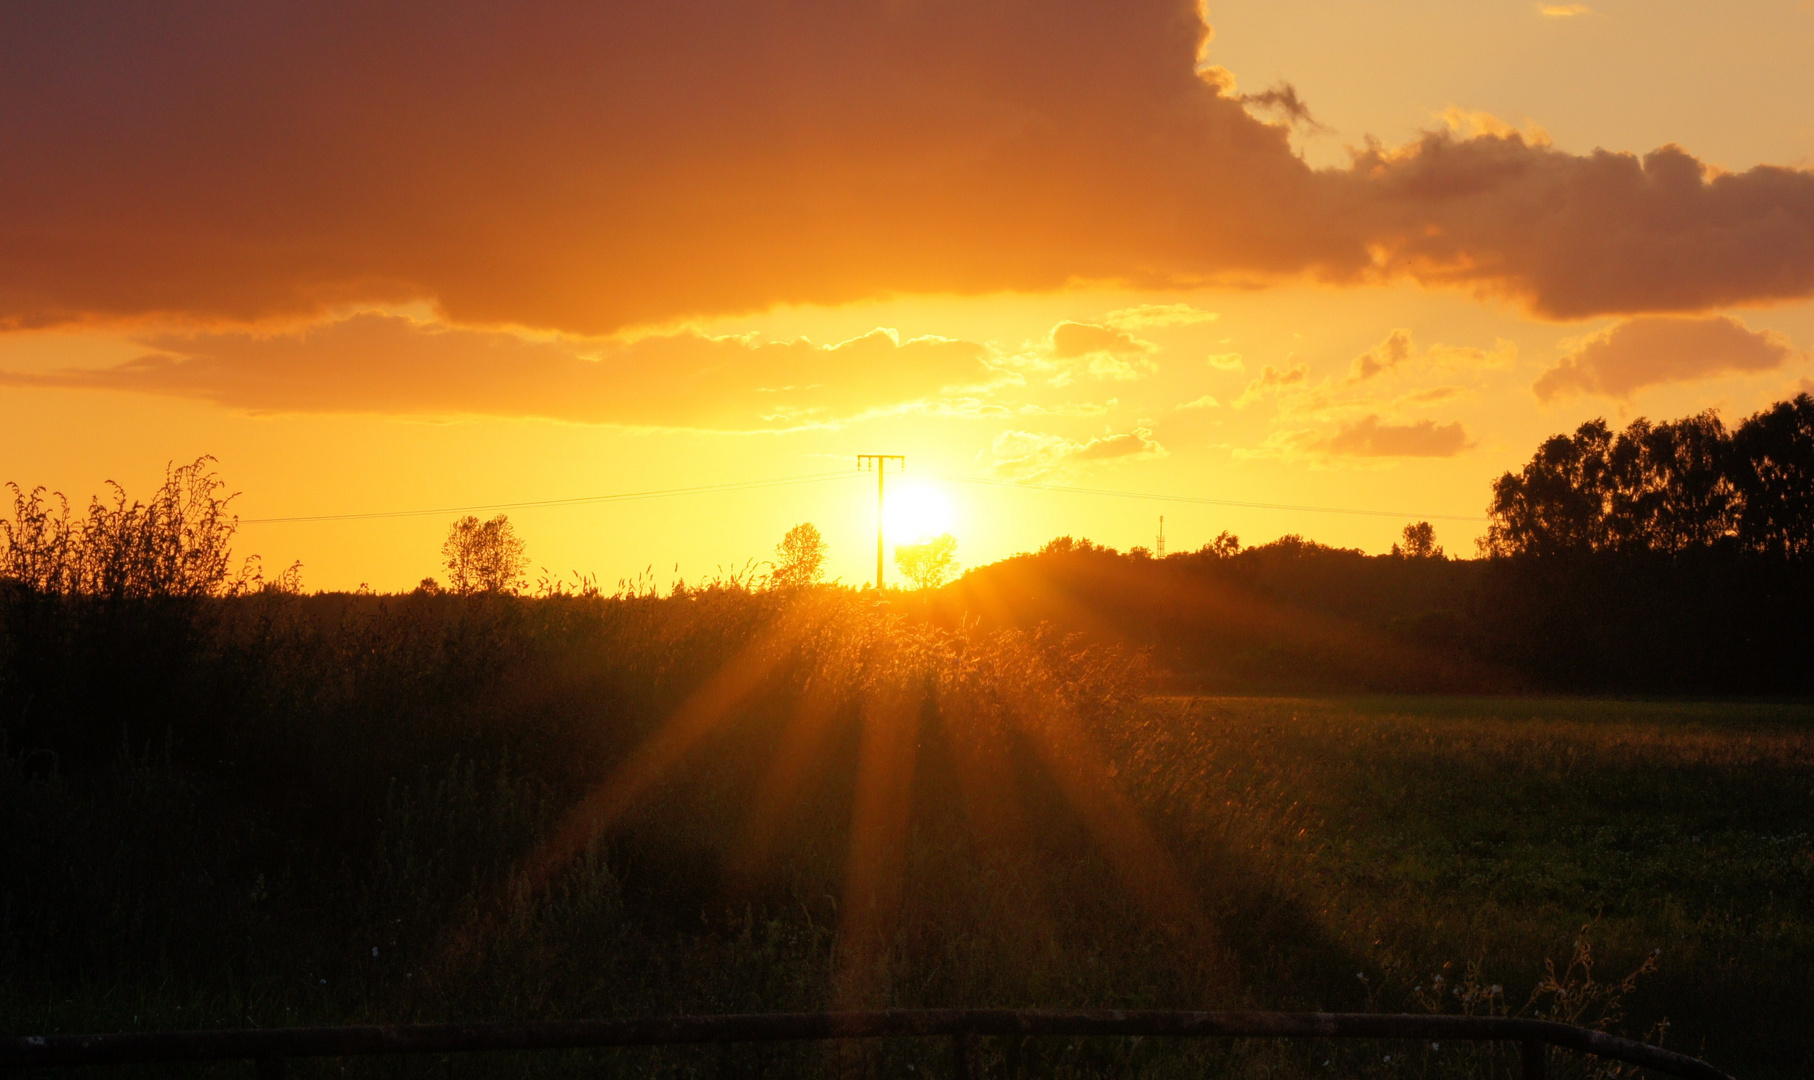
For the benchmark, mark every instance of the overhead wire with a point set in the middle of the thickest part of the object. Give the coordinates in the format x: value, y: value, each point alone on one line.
x: 661, y: 493
x: 1202, y: 500
x: 813, y: 478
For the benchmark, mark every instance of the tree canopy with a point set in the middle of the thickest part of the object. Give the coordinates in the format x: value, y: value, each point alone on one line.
x: 799, y: 558
x: 930, y: 564
x: 1672, y: 487
x: 484, y: 556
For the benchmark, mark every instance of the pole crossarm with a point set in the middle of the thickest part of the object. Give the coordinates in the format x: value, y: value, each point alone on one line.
x: 273, y: 1045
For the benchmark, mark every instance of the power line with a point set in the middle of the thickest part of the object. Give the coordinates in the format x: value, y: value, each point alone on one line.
x: 814, y: 478
x: 704, y: 489
x: 1204, y: 501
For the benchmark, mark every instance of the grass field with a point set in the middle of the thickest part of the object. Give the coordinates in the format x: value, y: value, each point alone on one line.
x: 620, y: 811
x: 1495, y: 831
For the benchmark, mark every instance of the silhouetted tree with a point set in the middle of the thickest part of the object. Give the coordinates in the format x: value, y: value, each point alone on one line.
x: 1066, y: 545
x: 1671, y: 486
x: 484, y: 556
x: 1773, y: 466
x: 800, y: 558
x: 1557, y: 503
x: 1226, y: 545
x: 930, y: 564
x: 1674, y: 487
x: 1419, y: 542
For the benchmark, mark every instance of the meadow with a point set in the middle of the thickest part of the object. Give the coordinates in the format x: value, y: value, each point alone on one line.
x: 279, y: 809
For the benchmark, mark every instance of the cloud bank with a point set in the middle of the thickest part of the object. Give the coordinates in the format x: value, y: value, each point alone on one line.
x: 1645, y: 352
x: 394, y: 365
x: 588, y: 166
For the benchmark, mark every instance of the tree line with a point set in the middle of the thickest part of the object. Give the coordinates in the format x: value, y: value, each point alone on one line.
x: 1668, y: 557
x: 1673, y: 487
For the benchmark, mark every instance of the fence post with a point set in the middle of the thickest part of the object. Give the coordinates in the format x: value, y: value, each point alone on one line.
x: 1533, y: 1056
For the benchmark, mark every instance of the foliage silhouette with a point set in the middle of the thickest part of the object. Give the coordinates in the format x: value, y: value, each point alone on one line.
x: 1419, y: 542
x: 1670, y: 488
x: 799, y: 558
x: 484, y: 556
x: 239, y: 805
x: 930, y: 563
x: 177, y: 544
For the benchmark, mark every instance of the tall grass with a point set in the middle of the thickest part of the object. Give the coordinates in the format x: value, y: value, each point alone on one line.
x: 354, y: 808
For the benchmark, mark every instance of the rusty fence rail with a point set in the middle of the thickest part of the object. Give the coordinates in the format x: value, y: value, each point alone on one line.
x: 269, y: 1048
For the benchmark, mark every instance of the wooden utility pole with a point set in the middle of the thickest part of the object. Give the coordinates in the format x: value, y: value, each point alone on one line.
x: 880, y: 461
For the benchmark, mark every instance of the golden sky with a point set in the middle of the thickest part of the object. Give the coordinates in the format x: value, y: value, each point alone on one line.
x: 1348, y: 254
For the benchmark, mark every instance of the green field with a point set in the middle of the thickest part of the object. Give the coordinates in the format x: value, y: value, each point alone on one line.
x: 1409, y: 832
x: 597, y: 807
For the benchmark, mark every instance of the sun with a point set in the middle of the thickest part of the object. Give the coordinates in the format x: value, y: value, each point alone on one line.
x: 914, y: 511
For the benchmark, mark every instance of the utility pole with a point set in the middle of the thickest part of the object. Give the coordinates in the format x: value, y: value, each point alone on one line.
x: 881, y: 466
x: 1162, y: 536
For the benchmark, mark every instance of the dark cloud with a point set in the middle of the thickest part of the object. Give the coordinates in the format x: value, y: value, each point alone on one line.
x: 393, y: 365
x: 1371, y: 437
x: 1574, y: 236
x: 1645, y: 352
x: 1282, y: 101
x: 584, y: 166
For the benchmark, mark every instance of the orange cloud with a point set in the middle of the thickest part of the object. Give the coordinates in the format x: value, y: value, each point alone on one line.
x: 389, y: 364
x: 1371, y: 437
x: 1433, y: 394
x: 1272, y: 381
x: 585, y: 167
x: 1398, y: 349
x: 1645, y: 352
x: 1579, y: 236
x: 1103, y: 351
x: 1367, y: 437
x: 1029, y: 455
x: 1143, y: 315
x: 1385, y: 356
x: 1071, y: 340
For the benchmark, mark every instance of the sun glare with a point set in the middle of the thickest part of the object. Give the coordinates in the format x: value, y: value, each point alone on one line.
x: 915, y: 511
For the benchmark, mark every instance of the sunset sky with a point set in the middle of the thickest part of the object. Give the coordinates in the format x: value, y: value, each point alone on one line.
x: 1344, y: 254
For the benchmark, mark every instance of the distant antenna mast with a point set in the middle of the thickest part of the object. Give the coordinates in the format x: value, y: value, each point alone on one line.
x: 881, y: 466
x: 1161, y: 548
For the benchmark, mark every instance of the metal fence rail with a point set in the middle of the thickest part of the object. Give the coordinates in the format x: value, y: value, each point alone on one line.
x: 270, y: 1047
